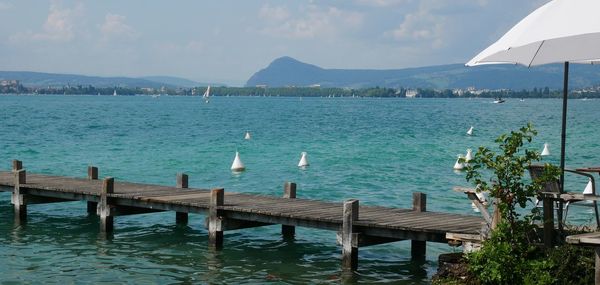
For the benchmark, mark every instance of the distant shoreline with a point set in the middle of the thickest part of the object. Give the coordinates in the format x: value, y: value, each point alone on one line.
x: 559, y: 96
x: 15, y: 87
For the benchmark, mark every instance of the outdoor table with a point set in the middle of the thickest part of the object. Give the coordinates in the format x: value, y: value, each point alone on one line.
x: 589, y: 169
x: 592, y: 240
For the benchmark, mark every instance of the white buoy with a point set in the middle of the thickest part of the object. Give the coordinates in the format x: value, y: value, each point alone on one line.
x: 303, y: 161
x: 247, y: 136
x: 546, y: 151
x: 457, y: 164
x: 237, y: 164
x: 469, y: 155
x: 588, y: 188
x: 470, y: 131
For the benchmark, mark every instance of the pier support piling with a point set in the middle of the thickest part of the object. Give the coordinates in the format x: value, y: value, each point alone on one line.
x: 418, y: 248
x: 181, y: 218
x: 289, y: 192
x: 18, y: 198
x: 548, y: 205
x: 349, y: 237
x: 215, y: 220
x: 104, y: 208
x: 92, y: 174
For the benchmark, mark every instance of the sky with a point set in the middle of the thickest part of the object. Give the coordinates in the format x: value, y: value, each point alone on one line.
x: 227, y: 41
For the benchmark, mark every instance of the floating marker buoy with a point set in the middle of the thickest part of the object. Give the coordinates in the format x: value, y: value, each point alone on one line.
x: 247, y: 136
x: 458, y: 165
x: 303, y: 161
x: 546, y: 151
x: 237, y: 164
x: 469, y: 155
x: 588, y: 188
x: 470, y: 131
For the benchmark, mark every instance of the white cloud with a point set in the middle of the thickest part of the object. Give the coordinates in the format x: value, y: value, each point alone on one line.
x: 114, y: 27
x: 273, y: 13
x: 433, y: 22
x: 59, y: 26
x: 312, y: 21
x: 420, y: 27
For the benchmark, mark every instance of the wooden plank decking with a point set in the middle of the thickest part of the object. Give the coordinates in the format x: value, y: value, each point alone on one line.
x: 371, y: 224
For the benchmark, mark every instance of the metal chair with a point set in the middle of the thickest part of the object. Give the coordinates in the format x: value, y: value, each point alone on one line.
x: 537, y: 171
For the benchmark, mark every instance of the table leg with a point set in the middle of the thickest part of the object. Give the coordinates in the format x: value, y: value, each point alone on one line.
x: 597, y: 270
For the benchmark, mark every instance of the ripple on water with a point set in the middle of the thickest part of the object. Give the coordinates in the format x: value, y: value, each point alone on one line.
x: 375, y: 150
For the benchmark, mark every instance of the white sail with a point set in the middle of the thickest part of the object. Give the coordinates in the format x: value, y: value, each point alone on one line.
x: 206, y: 94
x: 247, y: 136
x: 115, y: 92
x: 470, y: 131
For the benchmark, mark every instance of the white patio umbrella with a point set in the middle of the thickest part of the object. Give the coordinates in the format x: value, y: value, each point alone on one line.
x: 561, y: 31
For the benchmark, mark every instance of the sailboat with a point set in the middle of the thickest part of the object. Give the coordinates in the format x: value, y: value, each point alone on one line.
x: 206, y: 95
x: 115, y: 92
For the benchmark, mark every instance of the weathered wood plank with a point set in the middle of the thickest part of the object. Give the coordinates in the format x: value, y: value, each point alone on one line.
x: 289, y: 192
x: 418, y: 248
x: 18, y: 198
x: 350, y: 236
x: 104, y: 208
x: 375, y: 220
x: 181, y: 218
x: 215, y: 219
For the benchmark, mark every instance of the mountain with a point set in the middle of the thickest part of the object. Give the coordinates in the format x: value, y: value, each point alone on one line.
x: 40, y: 79
x: 286, y: 71
x: 178, y: 81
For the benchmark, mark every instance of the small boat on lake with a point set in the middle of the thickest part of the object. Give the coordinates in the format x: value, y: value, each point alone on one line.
x: 115, y: 92
x: 206, y: 95
x: 499, y: 100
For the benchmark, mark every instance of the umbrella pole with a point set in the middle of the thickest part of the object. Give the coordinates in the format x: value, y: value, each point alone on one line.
x: 563, y: 138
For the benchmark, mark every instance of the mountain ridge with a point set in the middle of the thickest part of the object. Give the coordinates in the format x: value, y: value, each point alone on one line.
x: 44, y: 79
x: 287, y: 71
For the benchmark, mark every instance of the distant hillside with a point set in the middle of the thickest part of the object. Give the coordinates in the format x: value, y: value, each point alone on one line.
x: 39, y: 79
x: 286, y: 71
x: 179, y: 82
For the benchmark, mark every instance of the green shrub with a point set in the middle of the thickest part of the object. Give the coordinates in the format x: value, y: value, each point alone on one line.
x: 510, y: 256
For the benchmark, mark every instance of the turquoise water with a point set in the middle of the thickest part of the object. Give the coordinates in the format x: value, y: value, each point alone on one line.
x: 375, y: 150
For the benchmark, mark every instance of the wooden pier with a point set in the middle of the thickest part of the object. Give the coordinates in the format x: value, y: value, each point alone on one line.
x: 356, y: 226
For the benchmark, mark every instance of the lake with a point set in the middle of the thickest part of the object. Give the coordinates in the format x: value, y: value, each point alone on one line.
x: 376, y: 150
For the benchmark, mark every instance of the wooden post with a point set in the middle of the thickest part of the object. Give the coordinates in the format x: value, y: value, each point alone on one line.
x: 418, y: 248
x: 289, y: 192
x: 17, y: 199
x: 17, y: 165
x: 597, y: 267
x: 104, y: 208
x: 182, y: 182
x: 349, y: 237
x: 548, y: 222
x: 92, y: 174
x: 215, y: 221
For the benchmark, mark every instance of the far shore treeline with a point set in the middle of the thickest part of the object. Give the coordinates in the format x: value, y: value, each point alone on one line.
x: 302, y: 92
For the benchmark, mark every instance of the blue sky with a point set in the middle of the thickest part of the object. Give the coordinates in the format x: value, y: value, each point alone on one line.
x: 227, y: 41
